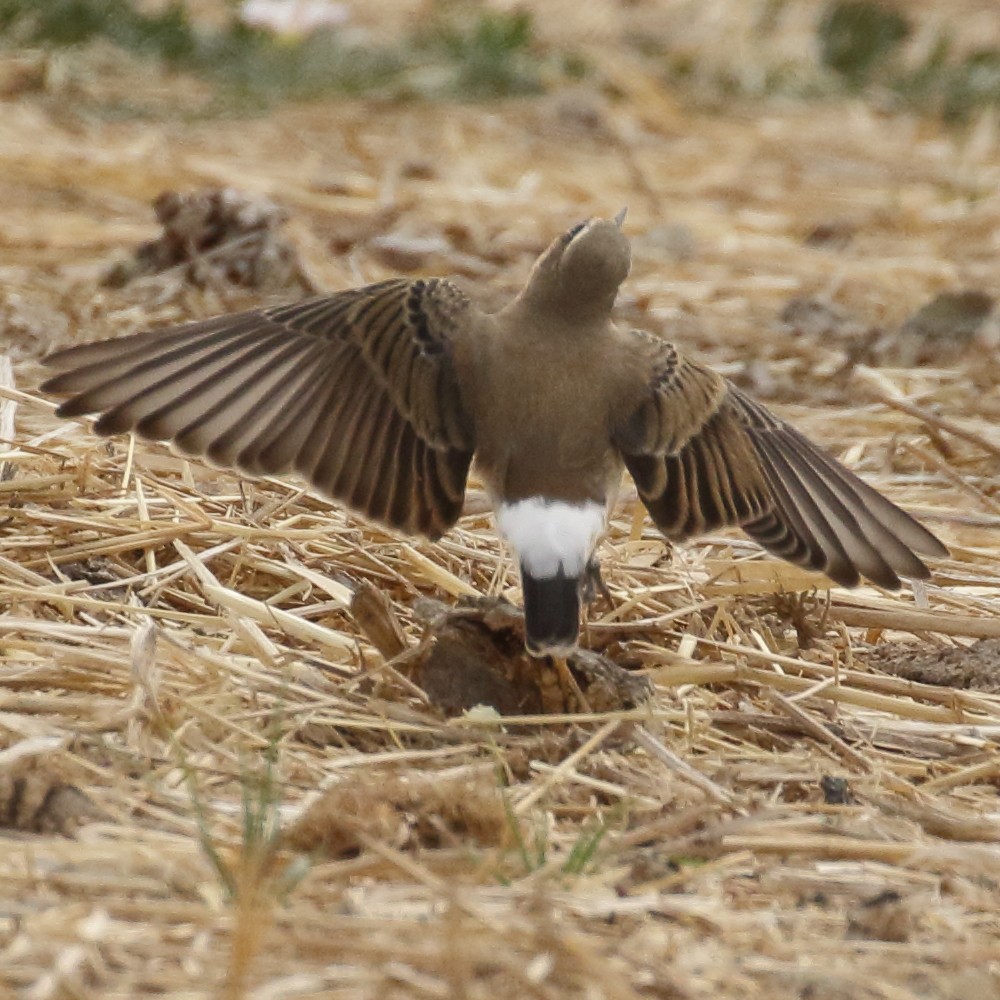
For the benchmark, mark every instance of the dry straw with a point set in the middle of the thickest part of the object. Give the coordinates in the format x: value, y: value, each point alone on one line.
x: 166, y: 629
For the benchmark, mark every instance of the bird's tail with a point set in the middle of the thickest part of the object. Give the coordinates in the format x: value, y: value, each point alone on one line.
x: 551, y: 613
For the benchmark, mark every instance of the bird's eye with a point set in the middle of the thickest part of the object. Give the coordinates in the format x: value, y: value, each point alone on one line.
x: 574, y: 232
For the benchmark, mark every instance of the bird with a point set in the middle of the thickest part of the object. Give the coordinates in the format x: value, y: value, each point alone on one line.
x: 383, y: 397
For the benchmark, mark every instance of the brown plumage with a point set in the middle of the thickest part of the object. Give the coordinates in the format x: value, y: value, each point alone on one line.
x: 382, y: 396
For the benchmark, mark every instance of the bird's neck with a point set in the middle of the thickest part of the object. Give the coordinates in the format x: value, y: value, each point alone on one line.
x: 558, y: 309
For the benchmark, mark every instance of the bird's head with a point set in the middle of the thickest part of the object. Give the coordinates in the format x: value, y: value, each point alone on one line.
x: 582, y: 269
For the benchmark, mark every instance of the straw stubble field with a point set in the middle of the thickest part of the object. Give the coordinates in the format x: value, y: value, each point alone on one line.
x: 806, y: 807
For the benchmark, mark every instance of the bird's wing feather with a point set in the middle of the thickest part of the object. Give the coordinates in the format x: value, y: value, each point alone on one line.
x: 704, y: 455
x: 356, y: 391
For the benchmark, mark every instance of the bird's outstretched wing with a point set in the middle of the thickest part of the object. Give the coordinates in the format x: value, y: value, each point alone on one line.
x: 704, y: 455
x: 356, y: 392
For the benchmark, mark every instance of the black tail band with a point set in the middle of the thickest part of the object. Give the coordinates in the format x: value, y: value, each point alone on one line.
x: 551, y: 612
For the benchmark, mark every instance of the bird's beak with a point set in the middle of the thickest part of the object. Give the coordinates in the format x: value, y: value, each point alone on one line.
x: 620, y: 217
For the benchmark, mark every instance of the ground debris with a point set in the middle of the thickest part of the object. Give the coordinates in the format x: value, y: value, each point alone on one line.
x: 37, y: 797
x: 373, y: 612
x: 832, y: 234
x: 474, y: 655
x: 975, y: 667
x: 403, y: 811
x: 945, y: 330
x: 885, y: 917
x: 219, y: 235
x: 28, y: 326
x: 821, y: 319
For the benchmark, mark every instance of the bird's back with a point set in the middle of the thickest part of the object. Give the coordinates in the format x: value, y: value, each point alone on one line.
x: 543, y: 400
